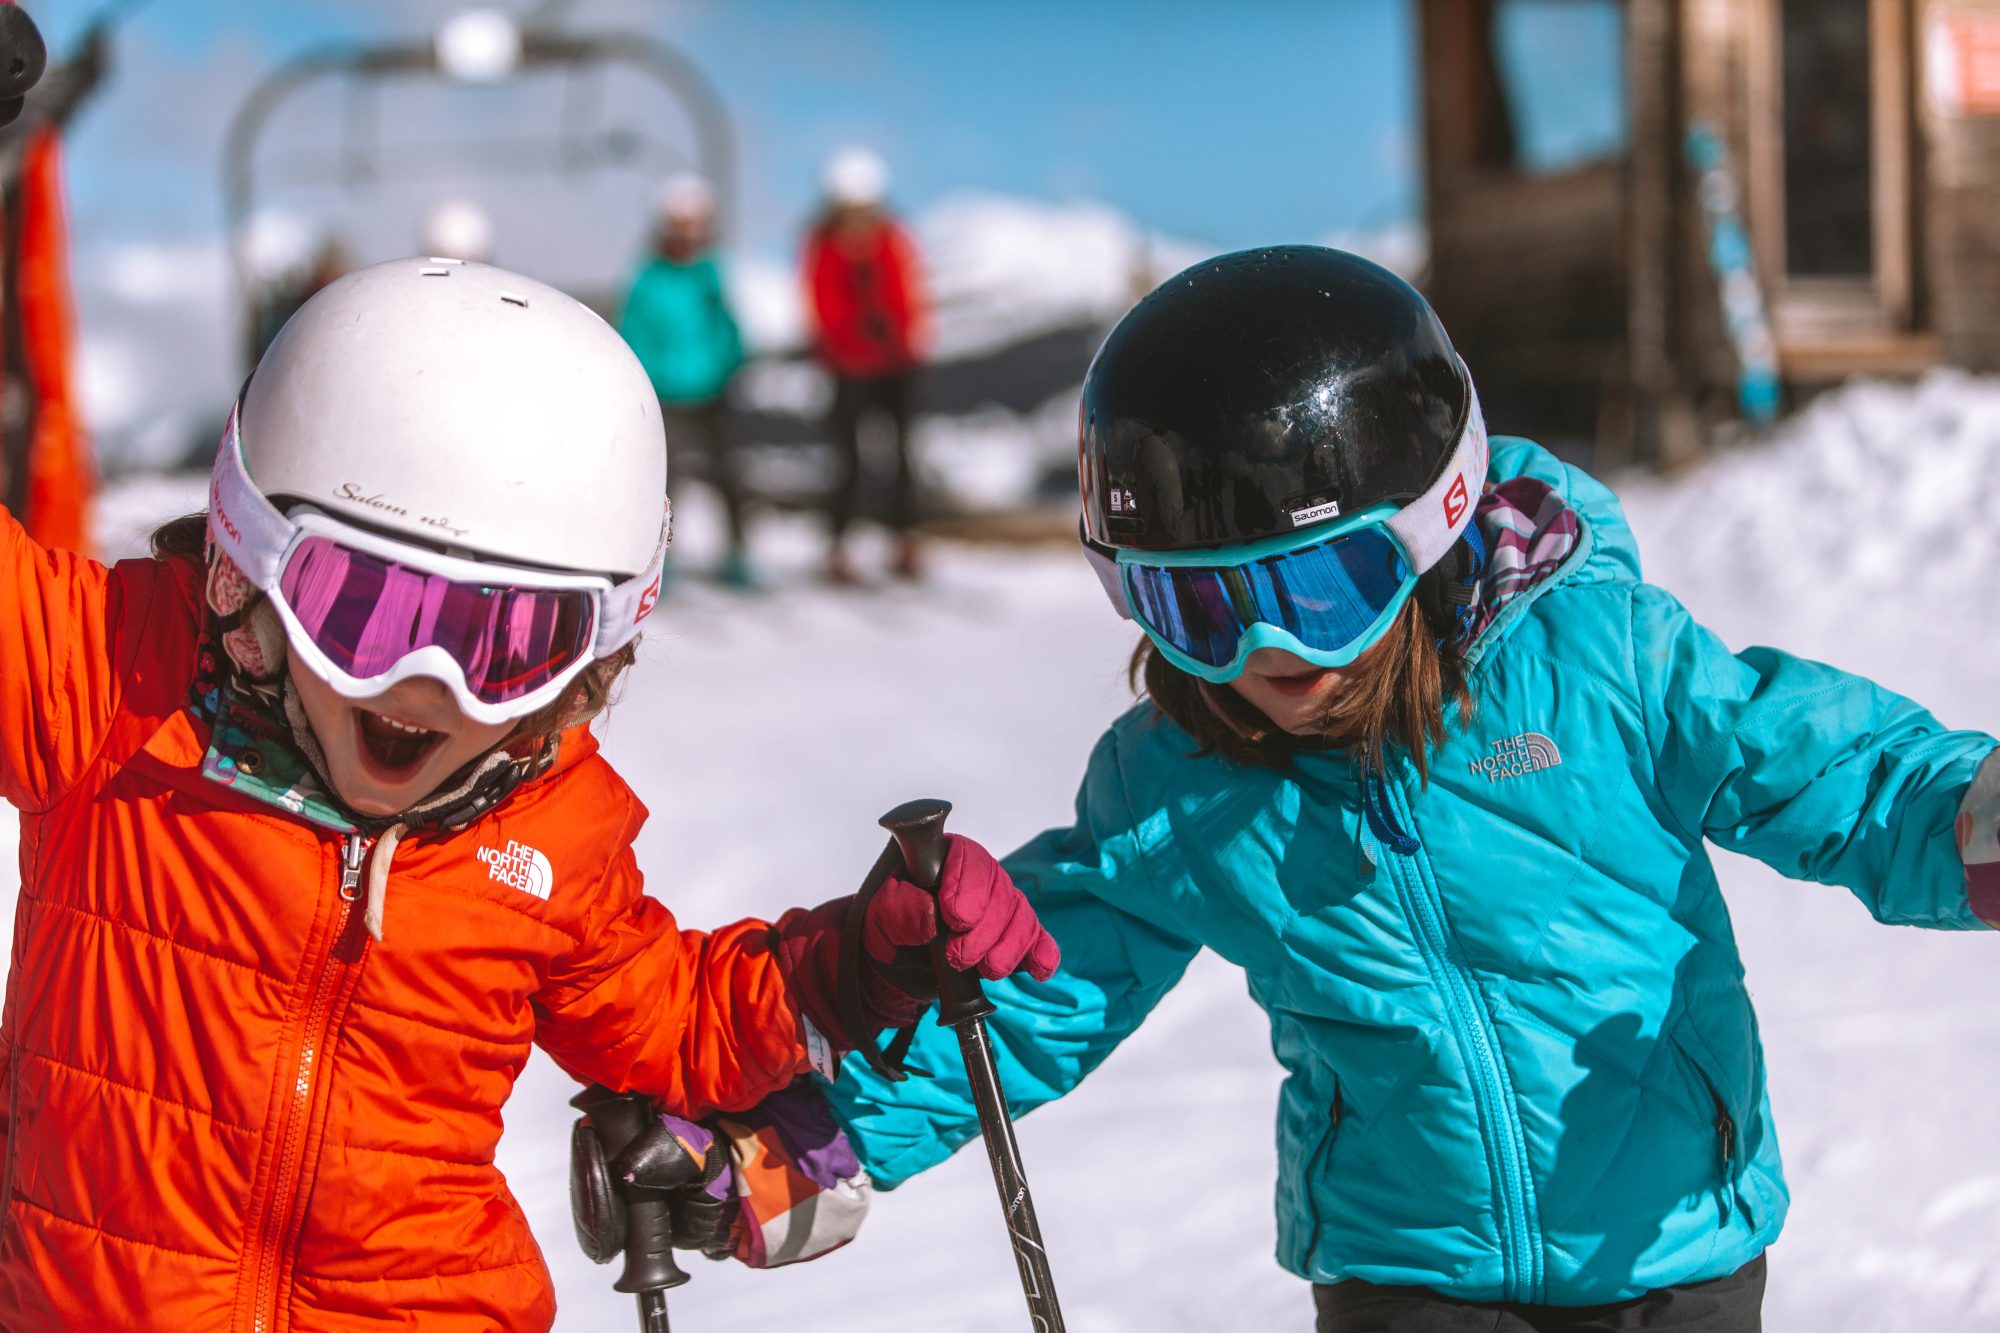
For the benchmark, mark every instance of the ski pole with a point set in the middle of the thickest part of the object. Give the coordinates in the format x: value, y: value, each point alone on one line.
x: 648, y: 1232
x: 918, y: 830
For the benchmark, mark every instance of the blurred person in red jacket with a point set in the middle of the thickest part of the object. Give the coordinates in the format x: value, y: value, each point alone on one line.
x: 865, y: 296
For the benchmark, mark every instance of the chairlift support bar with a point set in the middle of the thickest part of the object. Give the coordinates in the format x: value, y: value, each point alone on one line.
x: 540, y: 49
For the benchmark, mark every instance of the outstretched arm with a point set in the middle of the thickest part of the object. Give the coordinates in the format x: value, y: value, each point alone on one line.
x: 718, y: 1020
x: 1819, y: 774
x: 701, y: 1020
x: 71, y: 633
x: 1047, y: 1035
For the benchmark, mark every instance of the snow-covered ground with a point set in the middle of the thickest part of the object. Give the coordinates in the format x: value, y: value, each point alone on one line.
x: 767, y: 733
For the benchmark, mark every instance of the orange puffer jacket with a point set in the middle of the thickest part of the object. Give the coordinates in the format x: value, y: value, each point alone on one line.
x: 227, y: 1108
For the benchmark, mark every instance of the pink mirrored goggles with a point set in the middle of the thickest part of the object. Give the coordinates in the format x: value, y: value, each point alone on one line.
x: 365, y: 611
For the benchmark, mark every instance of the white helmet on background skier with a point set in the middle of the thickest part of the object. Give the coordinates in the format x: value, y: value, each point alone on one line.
x: 856, y: 178
x: 469, y: 441
x: 686, y: 198
x: 459, y: 229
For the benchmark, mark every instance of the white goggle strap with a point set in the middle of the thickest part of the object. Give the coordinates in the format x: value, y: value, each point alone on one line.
x: 249, y: 528
x: 1429, y: 525
x: 627, y: 605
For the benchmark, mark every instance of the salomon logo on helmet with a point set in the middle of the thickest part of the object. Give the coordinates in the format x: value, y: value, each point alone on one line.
x: 1455, y: 501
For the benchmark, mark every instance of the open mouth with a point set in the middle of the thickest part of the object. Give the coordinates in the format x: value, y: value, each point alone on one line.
x: 394, y: 749
x: 1298, y: 685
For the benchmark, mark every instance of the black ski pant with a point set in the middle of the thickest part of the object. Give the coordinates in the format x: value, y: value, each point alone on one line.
x: 853, y: 399
x: 706, y: 431
x: 1732, y: 1304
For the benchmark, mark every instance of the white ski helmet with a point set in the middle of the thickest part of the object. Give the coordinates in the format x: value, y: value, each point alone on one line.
x: 459, y: 229
x: 686, y: 198
x: 467, y: 408
x: 856, y: 178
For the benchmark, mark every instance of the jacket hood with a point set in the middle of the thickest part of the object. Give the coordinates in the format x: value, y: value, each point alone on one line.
x: 1605, y: 551
x: 1611, y: 554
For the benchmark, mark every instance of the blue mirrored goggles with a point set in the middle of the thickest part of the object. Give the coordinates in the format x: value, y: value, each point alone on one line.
x: 1326, y: 601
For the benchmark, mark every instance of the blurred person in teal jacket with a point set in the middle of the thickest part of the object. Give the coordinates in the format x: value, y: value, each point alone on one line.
x: 1424, y: 755
x: 677, y: 319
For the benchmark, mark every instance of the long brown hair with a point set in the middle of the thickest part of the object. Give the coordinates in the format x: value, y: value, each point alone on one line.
x: 1396, y: 693
x: 186, y: 538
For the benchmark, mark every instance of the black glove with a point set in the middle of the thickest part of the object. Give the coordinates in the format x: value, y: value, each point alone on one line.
x: 680, y: 1161
x: 624, y: 1152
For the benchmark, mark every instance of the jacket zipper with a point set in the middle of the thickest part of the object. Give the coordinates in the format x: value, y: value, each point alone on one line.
x: 269, y: 1237
x: 1472, y: 1025
x: 1321, y: 1151
x: 1725, y: 1135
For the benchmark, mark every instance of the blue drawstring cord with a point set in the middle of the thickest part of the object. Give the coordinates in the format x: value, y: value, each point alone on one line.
x: 1381, y: 819
x: 1463, y: 614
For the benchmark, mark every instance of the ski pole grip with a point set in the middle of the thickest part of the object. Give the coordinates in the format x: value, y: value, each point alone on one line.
x: 649, y: 1250
x: 617, y: 1119
x: 918, y: 828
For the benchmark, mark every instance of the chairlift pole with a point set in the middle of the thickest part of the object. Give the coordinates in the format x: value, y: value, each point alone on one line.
x: 540, y: 49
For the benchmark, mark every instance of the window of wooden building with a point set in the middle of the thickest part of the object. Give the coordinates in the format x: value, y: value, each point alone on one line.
x: 1833, y: 172
x: 1562, y: 66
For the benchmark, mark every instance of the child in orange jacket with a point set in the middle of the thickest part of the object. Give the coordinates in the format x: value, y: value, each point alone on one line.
x: 314, y: 844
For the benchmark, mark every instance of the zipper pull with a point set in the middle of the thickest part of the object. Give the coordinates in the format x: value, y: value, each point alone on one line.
x: 1725, y: 1141
x: 1382, y: 818
x: 351, y: 855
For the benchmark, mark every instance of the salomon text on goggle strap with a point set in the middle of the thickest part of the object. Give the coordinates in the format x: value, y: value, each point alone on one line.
x: 364, y: 610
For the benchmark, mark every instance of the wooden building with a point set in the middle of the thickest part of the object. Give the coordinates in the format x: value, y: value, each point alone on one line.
x: 1853, y: 144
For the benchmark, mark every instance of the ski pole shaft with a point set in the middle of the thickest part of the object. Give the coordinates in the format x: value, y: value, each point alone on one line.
x: 653, y: 1312
x: 918, y: 828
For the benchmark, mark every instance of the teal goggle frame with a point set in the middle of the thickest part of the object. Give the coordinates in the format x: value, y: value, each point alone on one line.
x: 1325, y: 595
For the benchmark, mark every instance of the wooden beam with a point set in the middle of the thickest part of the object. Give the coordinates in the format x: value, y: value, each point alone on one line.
x: 1890, y: 32
x: 1656, y: 418
x: 1467, y: 125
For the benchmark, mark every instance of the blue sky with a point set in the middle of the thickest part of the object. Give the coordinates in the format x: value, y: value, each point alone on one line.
x: 1216, y: 125
x: 1227, y: 124
x: 1231, y: 124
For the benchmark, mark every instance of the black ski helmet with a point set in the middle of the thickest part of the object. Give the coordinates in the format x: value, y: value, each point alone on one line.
x: 1272, y: 390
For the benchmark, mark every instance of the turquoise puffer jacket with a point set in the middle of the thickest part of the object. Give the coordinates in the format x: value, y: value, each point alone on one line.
x: 678, y: 322
x: 1521, y: 1063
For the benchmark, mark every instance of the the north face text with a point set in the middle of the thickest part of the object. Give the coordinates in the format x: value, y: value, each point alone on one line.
x: 519, y: 867
x: 1512, y: 756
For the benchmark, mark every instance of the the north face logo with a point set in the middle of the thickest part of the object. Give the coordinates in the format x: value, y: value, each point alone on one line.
x: 519, y: 867
x: 1529, y: 752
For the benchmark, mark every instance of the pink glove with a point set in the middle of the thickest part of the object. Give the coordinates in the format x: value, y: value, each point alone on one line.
x: 989, y: 927
x: 988, y: 923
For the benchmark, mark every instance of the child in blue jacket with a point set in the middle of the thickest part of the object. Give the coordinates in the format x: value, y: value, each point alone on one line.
x: 677, y: 320
x: 1424, y: 756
